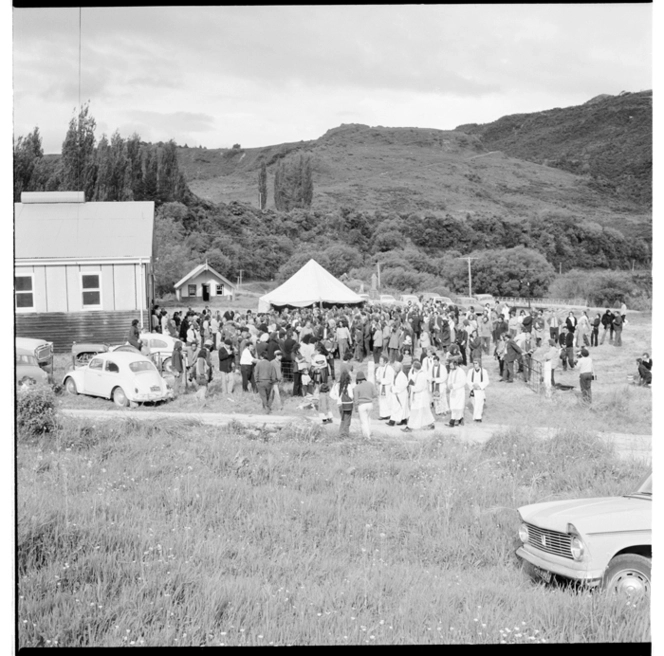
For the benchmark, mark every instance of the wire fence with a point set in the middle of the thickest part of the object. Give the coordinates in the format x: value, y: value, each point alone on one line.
x: 533, y: 374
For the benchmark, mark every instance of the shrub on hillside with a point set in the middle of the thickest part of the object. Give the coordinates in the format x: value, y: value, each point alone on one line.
x: 606, y: 288
x: 35, y: 411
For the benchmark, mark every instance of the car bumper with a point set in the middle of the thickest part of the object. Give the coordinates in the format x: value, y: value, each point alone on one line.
x: 569, y: 569
x: 151, y: 396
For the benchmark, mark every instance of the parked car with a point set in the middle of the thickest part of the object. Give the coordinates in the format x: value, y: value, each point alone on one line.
x: 160, y: 349
x: 603, y: 541
x: 430, y: 296
x: 41, y: 349
x: 465, y: 302
x: 83, y: 352
x: 387, y: 299
x: 28, y: 371
x: 365, y: 297
x: 404, y: 299
x: 124, y: 377
x: 486, y: 298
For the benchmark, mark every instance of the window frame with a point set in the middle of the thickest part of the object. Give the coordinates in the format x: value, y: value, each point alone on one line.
x: 30, y: 275
x: 189, y: 286
x: 92, y: 289
x: 220, y: 289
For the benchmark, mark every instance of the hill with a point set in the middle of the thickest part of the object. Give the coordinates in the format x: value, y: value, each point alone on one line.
x: 460, y: 172
x: 608, y: 138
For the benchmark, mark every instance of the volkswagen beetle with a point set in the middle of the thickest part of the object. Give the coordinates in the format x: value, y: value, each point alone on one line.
x: 123, y: 377
x: 604, y: 541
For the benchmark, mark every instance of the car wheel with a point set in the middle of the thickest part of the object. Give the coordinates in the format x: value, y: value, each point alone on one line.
x: 120, y: 398
x: 70, y: 386
x: 629, y: 575
x: 167, y: 366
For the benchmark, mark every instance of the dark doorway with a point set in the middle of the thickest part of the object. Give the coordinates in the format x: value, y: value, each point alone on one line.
x: 206, y: 291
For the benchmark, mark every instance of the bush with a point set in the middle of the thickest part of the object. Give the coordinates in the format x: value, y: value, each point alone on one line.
x: 35, y: 411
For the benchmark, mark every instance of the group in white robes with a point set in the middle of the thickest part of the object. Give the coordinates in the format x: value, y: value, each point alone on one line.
x: 400, y: 407
x: 477, y: 380
x: 384, y: 379
x: 420, y: 401
x: 438, y: 380
x: 456, y: 384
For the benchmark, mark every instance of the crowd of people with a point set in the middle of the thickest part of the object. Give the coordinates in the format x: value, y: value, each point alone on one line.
x: 424, y: 361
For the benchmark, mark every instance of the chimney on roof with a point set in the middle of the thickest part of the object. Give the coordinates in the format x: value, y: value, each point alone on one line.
x: 28, y: 197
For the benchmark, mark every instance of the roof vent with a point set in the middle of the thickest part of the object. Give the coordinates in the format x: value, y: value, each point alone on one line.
x: 52, y: 197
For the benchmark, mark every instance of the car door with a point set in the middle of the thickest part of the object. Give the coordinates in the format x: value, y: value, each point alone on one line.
x: 110, y: 378
x: 92, y: 379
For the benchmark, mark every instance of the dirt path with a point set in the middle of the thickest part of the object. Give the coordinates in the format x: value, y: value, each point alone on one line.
x: 627, y: 445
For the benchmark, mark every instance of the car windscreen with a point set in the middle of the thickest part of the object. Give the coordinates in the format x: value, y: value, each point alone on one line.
x: 646, y: 486
x: 141, y: 365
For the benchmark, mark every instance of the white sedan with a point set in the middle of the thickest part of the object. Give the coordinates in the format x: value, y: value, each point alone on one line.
x: 123, y: 377
x: 155, y: 343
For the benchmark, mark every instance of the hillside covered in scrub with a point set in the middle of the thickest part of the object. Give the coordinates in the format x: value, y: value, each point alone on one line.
x: 415, y: 200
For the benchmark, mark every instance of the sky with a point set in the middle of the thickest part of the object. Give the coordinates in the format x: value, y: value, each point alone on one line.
x: 257, y: 76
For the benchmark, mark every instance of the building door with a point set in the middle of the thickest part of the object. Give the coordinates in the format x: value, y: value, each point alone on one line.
x: 206, y: 291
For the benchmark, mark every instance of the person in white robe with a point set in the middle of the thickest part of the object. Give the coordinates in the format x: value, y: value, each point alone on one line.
x: 477, y: 380
x: 456, y: 384
x: 438, y: 379
x: 399, y: 397
x: 420, y: 402
x: 384, y: 380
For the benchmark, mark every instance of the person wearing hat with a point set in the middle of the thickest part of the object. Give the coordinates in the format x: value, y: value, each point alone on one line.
x: 477, y: 379
x: 363, y: 396
x: 420, y: 415
x: 226, y: 362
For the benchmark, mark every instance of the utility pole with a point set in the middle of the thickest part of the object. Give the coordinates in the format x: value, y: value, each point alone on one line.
x: 470, y: 275
x: 239, y: 279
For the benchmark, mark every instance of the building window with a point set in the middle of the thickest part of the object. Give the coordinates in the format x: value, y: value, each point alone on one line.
x: 25, y: 299
x: 192, y: 290
x: 91, y: 287
x: 220, y: 289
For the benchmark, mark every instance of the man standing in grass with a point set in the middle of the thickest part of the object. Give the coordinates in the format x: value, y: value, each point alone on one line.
x: 363, y: 396
x: 607, y: 322
x: 617, y: 328
x: 276, y: 365
x: 512, y: 353
x: 265, y: 379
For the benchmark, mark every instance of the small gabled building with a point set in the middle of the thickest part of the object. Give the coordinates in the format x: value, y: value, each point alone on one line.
x: 82, y: 271
x: 203, y: 283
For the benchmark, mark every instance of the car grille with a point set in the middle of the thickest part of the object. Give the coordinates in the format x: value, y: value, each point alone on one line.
x: 552, y: 542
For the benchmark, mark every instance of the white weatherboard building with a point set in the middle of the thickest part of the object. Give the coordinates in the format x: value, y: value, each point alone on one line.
x: 82, y: 270
x: 203, y: 283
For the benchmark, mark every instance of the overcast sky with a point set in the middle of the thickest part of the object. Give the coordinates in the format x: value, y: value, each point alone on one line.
x: 265, y: 75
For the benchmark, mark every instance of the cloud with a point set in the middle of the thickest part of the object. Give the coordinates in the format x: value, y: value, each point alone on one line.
x: 173, y: 120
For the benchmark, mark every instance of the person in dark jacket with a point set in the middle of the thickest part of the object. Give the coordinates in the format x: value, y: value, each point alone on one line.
x: 226, y: 365
x: 134, y: 335
x: 512, y: 353
x: 566, y: 341
x: 607, y: 323
x: 179, y: 369
x: 594, y: 335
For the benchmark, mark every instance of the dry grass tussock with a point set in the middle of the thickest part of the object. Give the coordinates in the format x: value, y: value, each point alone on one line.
x: 177, y: 533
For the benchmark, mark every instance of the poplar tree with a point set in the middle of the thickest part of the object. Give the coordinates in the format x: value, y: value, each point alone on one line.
x: 262, y: 185
x: 79, y: 170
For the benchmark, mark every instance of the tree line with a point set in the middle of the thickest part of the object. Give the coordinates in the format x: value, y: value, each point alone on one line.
x: 114, y: 169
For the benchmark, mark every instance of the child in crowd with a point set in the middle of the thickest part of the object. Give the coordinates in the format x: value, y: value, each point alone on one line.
x: 324, y: 404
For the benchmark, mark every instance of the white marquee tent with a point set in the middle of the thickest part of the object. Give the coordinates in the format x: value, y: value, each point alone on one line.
x: 311, y: 285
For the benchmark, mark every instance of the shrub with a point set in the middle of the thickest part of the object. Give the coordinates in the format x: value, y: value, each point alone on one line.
x: 35, y: 411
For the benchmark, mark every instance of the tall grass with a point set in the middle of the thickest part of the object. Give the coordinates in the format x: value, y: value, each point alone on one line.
x: 176, y: 533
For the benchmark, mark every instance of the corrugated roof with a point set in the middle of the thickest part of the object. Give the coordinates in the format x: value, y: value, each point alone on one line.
x: 83, y: 230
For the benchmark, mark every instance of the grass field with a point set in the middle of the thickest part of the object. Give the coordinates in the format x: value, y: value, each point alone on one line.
x: 181, y: 534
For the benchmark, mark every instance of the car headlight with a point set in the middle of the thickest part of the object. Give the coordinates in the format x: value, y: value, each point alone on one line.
x: 523, y: 533
x: 576, y: 546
